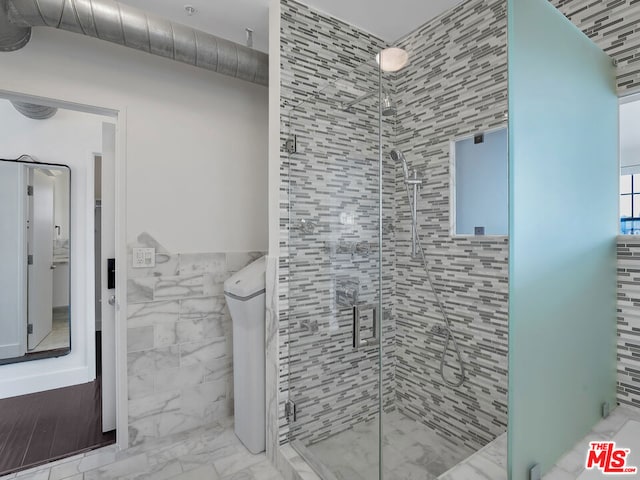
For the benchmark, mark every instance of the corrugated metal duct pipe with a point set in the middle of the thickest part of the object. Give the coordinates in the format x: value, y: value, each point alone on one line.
x: 33, y: 111
x: 118, y: 23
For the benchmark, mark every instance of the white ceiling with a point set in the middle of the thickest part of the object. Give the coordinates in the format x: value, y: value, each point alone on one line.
x: 387, y: 19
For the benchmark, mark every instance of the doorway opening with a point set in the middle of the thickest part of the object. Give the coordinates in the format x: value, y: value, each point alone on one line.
x: 58, y: 381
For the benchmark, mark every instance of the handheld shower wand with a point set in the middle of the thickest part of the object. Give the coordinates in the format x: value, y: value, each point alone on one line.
x: 398, y: 156
x: 450, y: 340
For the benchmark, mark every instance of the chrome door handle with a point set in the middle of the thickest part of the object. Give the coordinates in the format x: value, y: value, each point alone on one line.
x: 357, y: 341
x: 112, y: 300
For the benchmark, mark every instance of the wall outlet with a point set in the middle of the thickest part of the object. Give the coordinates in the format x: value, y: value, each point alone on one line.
x: 144, y: 257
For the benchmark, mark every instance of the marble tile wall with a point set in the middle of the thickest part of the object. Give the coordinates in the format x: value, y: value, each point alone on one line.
x: 454, y: 86
x: 179, y: 347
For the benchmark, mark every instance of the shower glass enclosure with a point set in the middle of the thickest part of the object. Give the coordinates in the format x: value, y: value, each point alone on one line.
x: 338, y: 303
x: 371, y: 382
x: 399, y: 366
x: 364, y: 365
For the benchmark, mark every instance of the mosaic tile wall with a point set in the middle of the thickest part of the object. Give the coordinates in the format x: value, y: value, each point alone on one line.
x: 329, y: 222
x: 613, y: 25
x: 455, y: 86
x: 179, y: 343
x: 629, y: 321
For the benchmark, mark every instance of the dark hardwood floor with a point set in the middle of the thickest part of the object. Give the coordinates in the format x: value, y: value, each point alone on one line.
x: 46, y: 426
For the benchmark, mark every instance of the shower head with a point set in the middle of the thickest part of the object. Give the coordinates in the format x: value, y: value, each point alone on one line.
x: 388, y: 106
x: 398, y: 156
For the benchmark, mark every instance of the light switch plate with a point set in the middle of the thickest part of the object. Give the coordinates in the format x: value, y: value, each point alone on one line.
x: 144, y: 257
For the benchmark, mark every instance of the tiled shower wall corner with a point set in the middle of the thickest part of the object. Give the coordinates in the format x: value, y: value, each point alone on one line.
x: 454, y: 86
x: 329, y: 219
x: 613, y: 25
x: 179, y: 341
x: 629, y: 321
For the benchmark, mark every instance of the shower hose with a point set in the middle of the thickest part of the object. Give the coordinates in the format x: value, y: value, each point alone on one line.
x: 450, y: 339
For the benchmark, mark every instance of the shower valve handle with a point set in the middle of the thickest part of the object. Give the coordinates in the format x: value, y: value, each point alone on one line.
x: 357, y: 341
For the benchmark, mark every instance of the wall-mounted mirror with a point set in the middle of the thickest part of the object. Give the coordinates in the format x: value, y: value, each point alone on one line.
x: 35, y: 256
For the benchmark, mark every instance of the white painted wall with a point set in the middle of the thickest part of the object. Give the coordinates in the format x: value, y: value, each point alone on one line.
x: 69, y: 138
x: 196, y: 140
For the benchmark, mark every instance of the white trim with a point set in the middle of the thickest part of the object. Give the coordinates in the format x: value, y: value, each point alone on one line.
x: 90, y: 302
x: 634, y: 97
x: 119, y: 114
x: 630, y: 98
x: 122, y: 405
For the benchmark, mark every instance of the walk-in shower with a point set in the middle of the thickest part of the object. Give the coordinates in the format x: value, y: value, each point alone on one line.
x: 394, y: 354
x: 457, y: 321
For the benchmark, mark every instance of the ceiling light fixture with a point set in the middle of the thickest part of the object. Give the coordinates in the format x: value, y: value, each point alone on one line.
x: 392, y: 59
x: 190, y: 9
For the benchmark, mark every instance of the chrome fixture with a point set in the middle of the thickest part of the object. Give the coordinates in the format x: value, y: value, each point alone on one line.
x: 388, y: 106
x: 359, y: 342
x: 392, y: 59
x: 190, y: 9
x: 415, y: 183
x: 119, y: 23
x: 398, y: 156
x: 450, y: 339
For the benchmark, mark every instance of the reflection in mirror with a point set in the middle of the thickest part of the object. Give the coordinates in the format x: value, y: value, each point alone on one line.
x: 35, y: 254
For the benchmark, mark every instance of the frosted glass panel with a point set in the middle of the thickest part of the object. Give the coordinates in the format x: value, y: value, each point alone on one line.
x: 563, y: 193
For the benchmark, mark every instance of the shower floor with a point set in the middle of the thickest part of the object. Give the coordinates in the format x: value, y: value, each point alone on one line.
x: 411, y: 451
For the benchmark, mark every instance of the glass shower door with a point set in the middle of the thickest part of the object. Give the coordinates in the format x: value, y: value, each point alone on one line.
x: 334, y: 277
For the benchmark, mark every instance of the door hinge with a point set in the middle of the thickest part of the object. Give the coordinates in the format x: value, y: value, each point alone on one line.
x: 290, y: 411
x: 30, y: 190
x: 30, y: 328
x: 29, y: 259
x: 534, y: 472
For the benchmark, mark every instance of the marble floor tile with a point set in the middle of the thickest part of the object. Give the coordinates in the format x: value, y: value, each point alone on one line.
x: 212, y: 453
x: 410, y: 451
x: 622, y: 426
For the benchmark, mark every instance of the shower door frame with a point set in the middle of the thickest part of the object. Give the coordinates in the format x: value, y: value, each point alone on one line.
x: 377, y: 303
